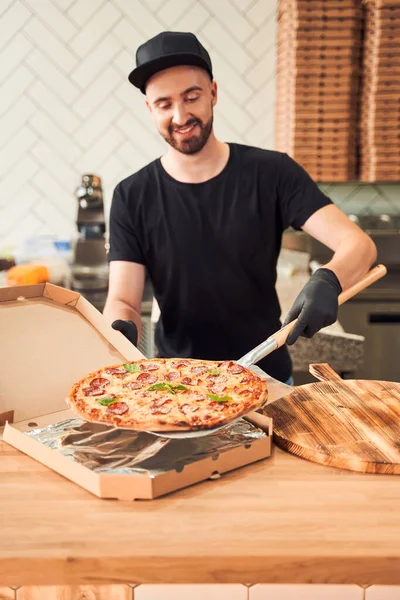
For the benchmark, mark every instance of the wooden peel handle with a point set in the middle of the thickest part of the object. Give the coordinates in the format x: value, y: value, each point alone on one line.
x: 373, y: 275
x: 368, y: 279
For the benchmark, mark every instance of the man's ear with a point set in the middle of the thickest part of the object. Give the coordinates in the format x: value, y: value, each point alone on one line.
x: 214, y: 93
x: 148, y: 105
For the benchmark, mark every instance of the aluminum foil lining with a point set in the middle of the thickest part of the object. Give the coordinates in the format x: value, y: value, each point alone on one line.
x: 106, y: 449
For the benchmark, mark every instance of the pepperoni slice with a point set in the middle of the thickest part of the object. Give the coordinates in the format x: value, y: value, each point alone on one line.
x: 225, y: 364
x: 190, y: 381
x: 188, y: 408
x: 217, y: 378
x: 246, y: 392
x: 117, y: 372
x: 219, y: 406
x: 180, y: 363
x: 146, y: 395
x: 249, y: 389
x: 200, y: 370
x: 172, y: 375
x: 134, y: 385
x: 149, y: 367
x: 118, y: 408
x: 198, y: 397
x: 217, y: 389
x: 99, y: 381
x: 255, y: 393
x: 147, y: 378
x: 93, y: 391
x: 161, y: 401
x: 248, y: 379
x: 235, y: 369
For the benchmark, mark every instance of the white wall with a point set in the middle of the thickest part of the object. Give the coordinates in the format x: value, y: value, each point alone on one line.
x: 66, y: 106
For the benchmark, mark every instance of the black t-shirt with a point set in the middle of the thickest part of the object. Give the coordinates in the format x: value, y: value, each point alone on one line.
x: 211, y: 250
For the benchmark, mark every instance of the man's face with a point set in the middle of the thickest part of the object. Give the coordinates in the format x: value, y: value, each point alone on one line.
x: 181, y: 101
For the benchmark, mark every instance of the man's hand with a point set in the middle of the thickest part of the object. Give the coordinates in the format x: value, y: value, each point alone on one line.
x: 127, y: 328
x: 316, y: 306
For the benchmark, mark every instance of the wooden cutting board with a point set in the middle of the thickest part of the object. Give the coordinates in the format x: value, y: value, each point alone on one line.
x: 350, y: 424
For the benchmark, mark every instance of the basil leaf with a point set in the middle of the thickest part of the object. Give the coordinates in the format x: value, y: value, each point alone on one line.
x: 107, y: 401
x: 132, y: 368
x: 166, y: 386
x: 213, y: 371
x: 219, y: 398
x: 158, y: 386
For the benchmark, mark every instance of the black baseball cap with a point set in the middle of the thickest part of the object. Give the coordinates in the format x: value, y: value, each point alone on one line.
x: 168, y: 49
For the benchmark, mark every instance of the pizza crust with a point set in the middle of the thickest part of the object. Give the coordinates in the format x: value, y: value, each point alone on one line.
x: 246, y: 392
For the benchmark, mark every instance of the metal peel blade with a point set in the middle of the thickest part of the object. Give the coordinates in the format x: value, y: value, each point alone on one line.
x: 277, y: 339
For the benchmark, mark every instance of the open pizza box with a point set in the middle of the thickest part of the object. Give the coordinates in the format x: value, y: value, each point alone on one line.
x: 51, y: 337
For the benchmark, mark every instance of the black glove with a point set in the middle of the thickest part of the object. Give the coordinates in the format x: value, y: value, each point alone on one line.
x: 128, y: 329
x: 316, y: 306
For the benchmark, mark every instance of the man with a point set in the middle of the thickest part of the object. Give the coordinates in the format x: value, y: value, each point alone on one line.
x: 206, y: 221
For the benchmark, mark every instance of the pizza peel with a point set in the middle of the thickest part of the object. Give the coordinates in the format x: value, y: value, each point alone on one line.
x: 350, y: 424
x: 274, y: 342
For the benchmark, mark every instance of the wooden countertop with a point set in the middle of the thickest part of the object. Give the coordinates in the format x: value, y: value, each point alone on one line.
x: 283, y: 519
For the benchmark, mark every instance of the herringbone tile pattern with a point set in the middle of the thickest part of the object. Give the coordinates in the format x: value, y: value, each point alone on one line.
x: 67, y: 108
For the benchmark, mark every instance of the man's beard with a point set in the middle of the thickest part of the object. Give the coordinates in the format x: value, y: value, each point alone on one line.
x: 192, y: 144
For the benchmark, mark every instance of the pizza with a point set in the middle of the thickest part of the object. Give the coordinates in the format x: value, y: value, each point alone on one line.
x: 167, y: 394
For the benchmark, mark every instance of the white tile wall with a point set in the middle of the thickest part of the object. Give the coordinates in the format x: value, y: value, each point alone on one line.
x: 200, y: 591
x: 78, y: 592
x: 66, y: 106
x: 194, y: 592
x: 305, y: 592
x: 383, y: 592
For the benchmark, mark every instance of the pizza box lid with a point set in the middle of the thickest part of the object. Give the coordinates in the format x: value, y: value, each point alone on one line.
x: 55, y: 337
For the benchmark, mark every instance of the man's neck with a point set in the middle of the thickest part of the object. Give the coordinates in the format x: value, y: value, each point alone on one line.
x: 199, y: 167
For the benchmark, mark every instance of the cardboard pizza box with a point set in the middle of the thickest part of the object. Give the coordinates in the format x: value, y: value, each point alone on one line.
x: 318, y: 87
x: 320, y: 24
x: 323, y: 44
x: 325, y: 5
x: 345, y: 102
x: 318, y: 115
x: 320, y: 4
x: 340, y: 54
x: 292, y: 10
x: 54, y: 337
x: 322, y: 63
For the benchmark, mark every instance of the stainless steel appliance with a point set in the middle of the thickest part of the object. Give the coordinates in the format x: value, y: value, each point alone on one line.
x: 375, y: 312
x: 89, y: 271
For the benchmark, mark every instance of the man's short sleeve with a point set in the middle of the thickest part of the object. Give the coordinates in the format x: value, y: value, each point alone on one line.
x: 298, y: 194
x: 124, y: 244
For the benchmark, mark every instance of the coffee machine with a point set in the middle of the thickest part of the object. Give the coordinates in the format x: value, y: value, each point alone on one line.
x: 89, y: 270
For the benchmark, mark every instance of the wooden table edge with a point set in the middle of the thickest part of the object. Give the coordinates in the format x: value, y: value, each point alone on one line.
x: 359, y: 570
